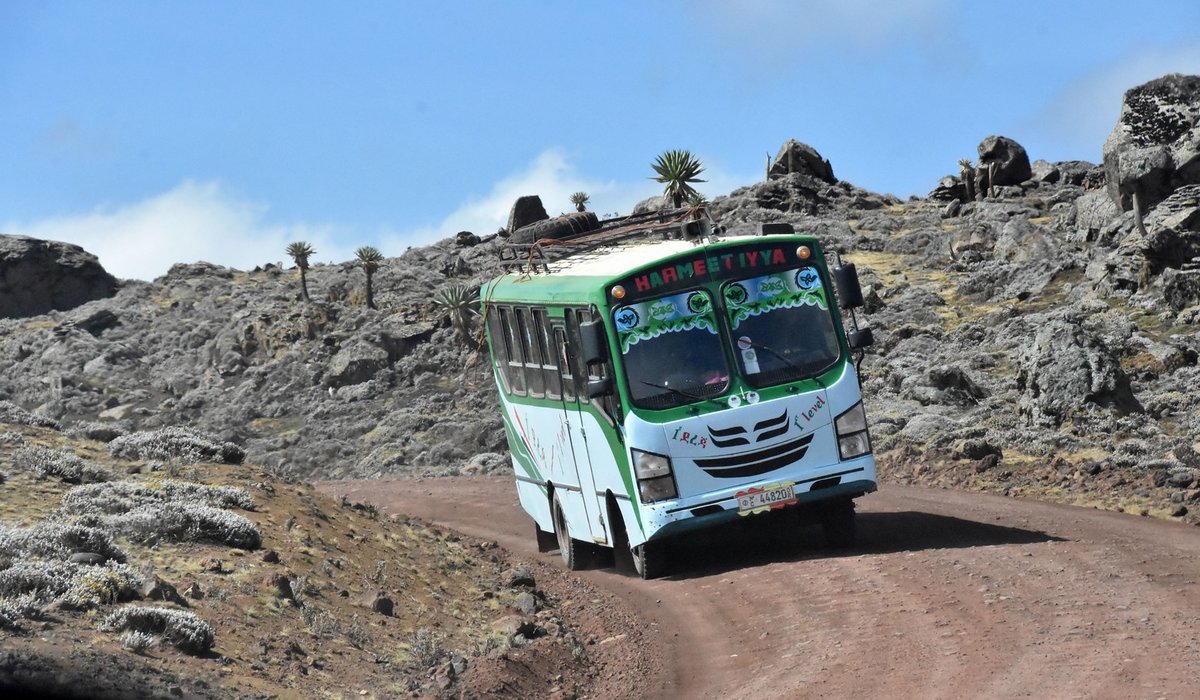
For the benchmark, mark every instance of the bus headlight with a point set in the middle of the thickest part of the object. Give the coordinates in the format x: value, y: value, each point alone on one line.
x: 853, y: 439
x: 654, y: 477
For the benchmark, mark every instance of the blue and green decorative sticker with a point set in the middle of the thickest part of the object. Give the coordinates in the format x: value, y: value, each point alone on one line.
x: 650, y: 319
x: 787, y: 289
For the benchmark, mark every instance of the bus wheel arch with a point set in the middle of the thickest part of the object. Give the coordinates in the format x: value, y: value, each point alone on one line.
x: 647, y: 560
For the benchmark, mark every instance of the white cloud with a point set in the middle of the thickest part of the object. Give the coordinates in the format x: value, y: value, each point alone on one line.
x: 201, y: 221
x: 1079, y: 118
x: 190, y: 223
x: 553, y: 177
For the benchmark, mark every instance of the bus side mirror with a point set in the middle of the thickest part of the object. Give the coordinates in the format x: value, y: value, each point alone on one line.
x: 845, y: 277
x: 595, y: 346
x: 861, y: 338
x: 599, y: 387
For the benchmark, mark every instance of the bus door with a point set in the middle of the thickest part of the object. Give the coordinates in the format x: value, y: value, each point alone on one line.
x: 573, y: 386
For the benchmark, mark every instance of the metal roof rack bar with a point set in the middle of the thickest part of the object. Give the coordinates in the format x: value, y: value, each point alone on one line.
x: 535, y: 257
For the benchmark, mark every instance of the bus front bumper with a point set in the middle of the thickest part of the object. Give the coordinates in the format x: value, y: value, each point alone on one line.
x: 664, y: 520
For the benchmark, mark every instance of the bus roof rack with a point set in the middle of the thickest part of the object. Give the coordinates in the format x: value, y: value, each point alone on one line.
x: 533, y: 257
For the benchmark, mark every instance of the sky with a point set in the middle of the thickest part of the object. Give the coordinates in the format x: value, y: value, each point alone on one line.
x: 157, y: 132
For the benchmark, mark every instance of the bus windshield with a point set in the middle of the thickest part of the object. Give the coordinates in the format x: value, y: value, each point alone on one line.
x: 781, y: 326
x: 671, y: 350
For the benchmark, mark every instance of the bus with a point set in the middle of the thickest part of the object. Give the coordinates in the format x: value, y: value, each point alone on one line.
x: 658, y: 378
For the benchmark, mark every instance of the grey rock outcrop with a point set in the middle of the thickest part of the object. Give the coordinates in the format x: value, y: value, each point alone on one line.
x: 797, y: 157
x: 1155, y: 146
x: 1004, y: 160
x: 1064, y: 369
x: 526, y: 210
x: 38, y: 276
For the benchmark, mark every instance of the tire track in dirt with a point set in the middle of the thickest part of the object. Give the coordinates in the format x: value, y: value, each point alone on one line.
x: 950, y: 594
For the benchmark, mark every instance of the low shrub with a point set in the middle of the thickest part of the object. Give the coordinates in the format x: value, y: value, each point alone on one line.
x: 57, y: 540
x: 8, y: 621
x: 11, y: 438
x: 425, y: 648
x: 181, y: 628
x: 124, y: 496
x: 12, y: 413
x: 48, y: 579
x: 137, y: 642
x: 26, y: 606
x: 59, y: 464
x: 175, y: 443
x: 93, y: 586
x: 78, y: 586
x: 179, y: 522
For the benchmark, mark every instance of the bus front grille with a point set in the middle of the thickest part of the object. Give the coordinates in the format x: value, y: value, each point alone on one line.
x: 757, y: 462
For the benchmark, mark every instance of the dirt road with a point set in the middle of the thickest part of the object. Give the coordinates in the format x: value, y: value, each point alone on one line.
x: 950, y: 595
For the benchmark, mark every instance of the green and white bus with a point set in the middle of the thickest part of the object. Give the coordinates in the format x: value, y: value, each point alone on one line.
x: 654, y: 387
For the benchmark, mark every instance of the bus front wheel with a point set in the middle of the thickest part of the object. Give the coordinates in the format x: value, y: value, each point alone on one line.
x: 649, y: 560
x: 837, y: 520
x: 576, y: 555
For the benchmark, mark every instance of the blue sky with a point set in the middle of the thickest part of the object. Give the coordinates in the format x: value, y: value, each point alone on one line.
x: 161, y: 132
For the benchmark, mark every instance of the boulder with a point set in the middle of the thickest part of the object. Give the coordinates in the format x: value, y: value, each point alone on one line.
x: 155, y: 588
x: 797, y: 157
x: 1094, y: 211
x: 1155, y: 146
x: 525, y: 211
x: 1067, y: 367
x: 355, y: 364
x: 655, y: 203
x: 1009, y: 158
x: 38, y: 276
x: 1044, y: 171
x: 466, y: 239
x: 949, y: 189
x: 1173, y: 231
x: 1181, y: 288
x: 957, y: 387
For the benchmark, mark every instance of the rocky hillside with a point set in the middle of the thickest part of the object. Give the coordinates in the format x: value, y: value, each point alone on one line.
x: 1035, y: 325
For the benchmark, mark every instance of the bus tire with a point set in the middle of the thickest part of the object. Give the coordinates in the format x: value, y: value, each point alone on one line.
x: 554, y: 229
x: 562, y: 227
x: 582, y: 221
x: 576, y: 555
x: 649, y: 560
x: 838, y: 523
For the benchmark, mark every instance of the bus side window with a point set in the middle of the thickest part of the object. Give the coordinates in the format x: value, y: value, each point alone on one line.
x: 534, y: 379
x: 573, y: 343
x: 498, y: 346
x: 549, y: 358
x: 566, y: 363
x: 514, y: 368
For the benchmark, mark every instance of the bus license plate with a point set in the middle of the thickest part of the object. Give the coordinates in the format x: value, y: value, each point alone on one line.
x: 760, y: 500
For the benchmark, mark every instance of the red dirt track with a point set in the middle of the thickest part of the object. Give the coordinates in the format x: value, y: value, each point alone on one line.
x: 948, y: 595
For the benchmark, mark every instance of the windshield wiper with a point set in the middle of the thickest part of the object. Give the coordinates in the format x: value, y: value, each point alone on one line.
x: 673, y: 390
x: 680, y: 392
x: 791, y: 365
